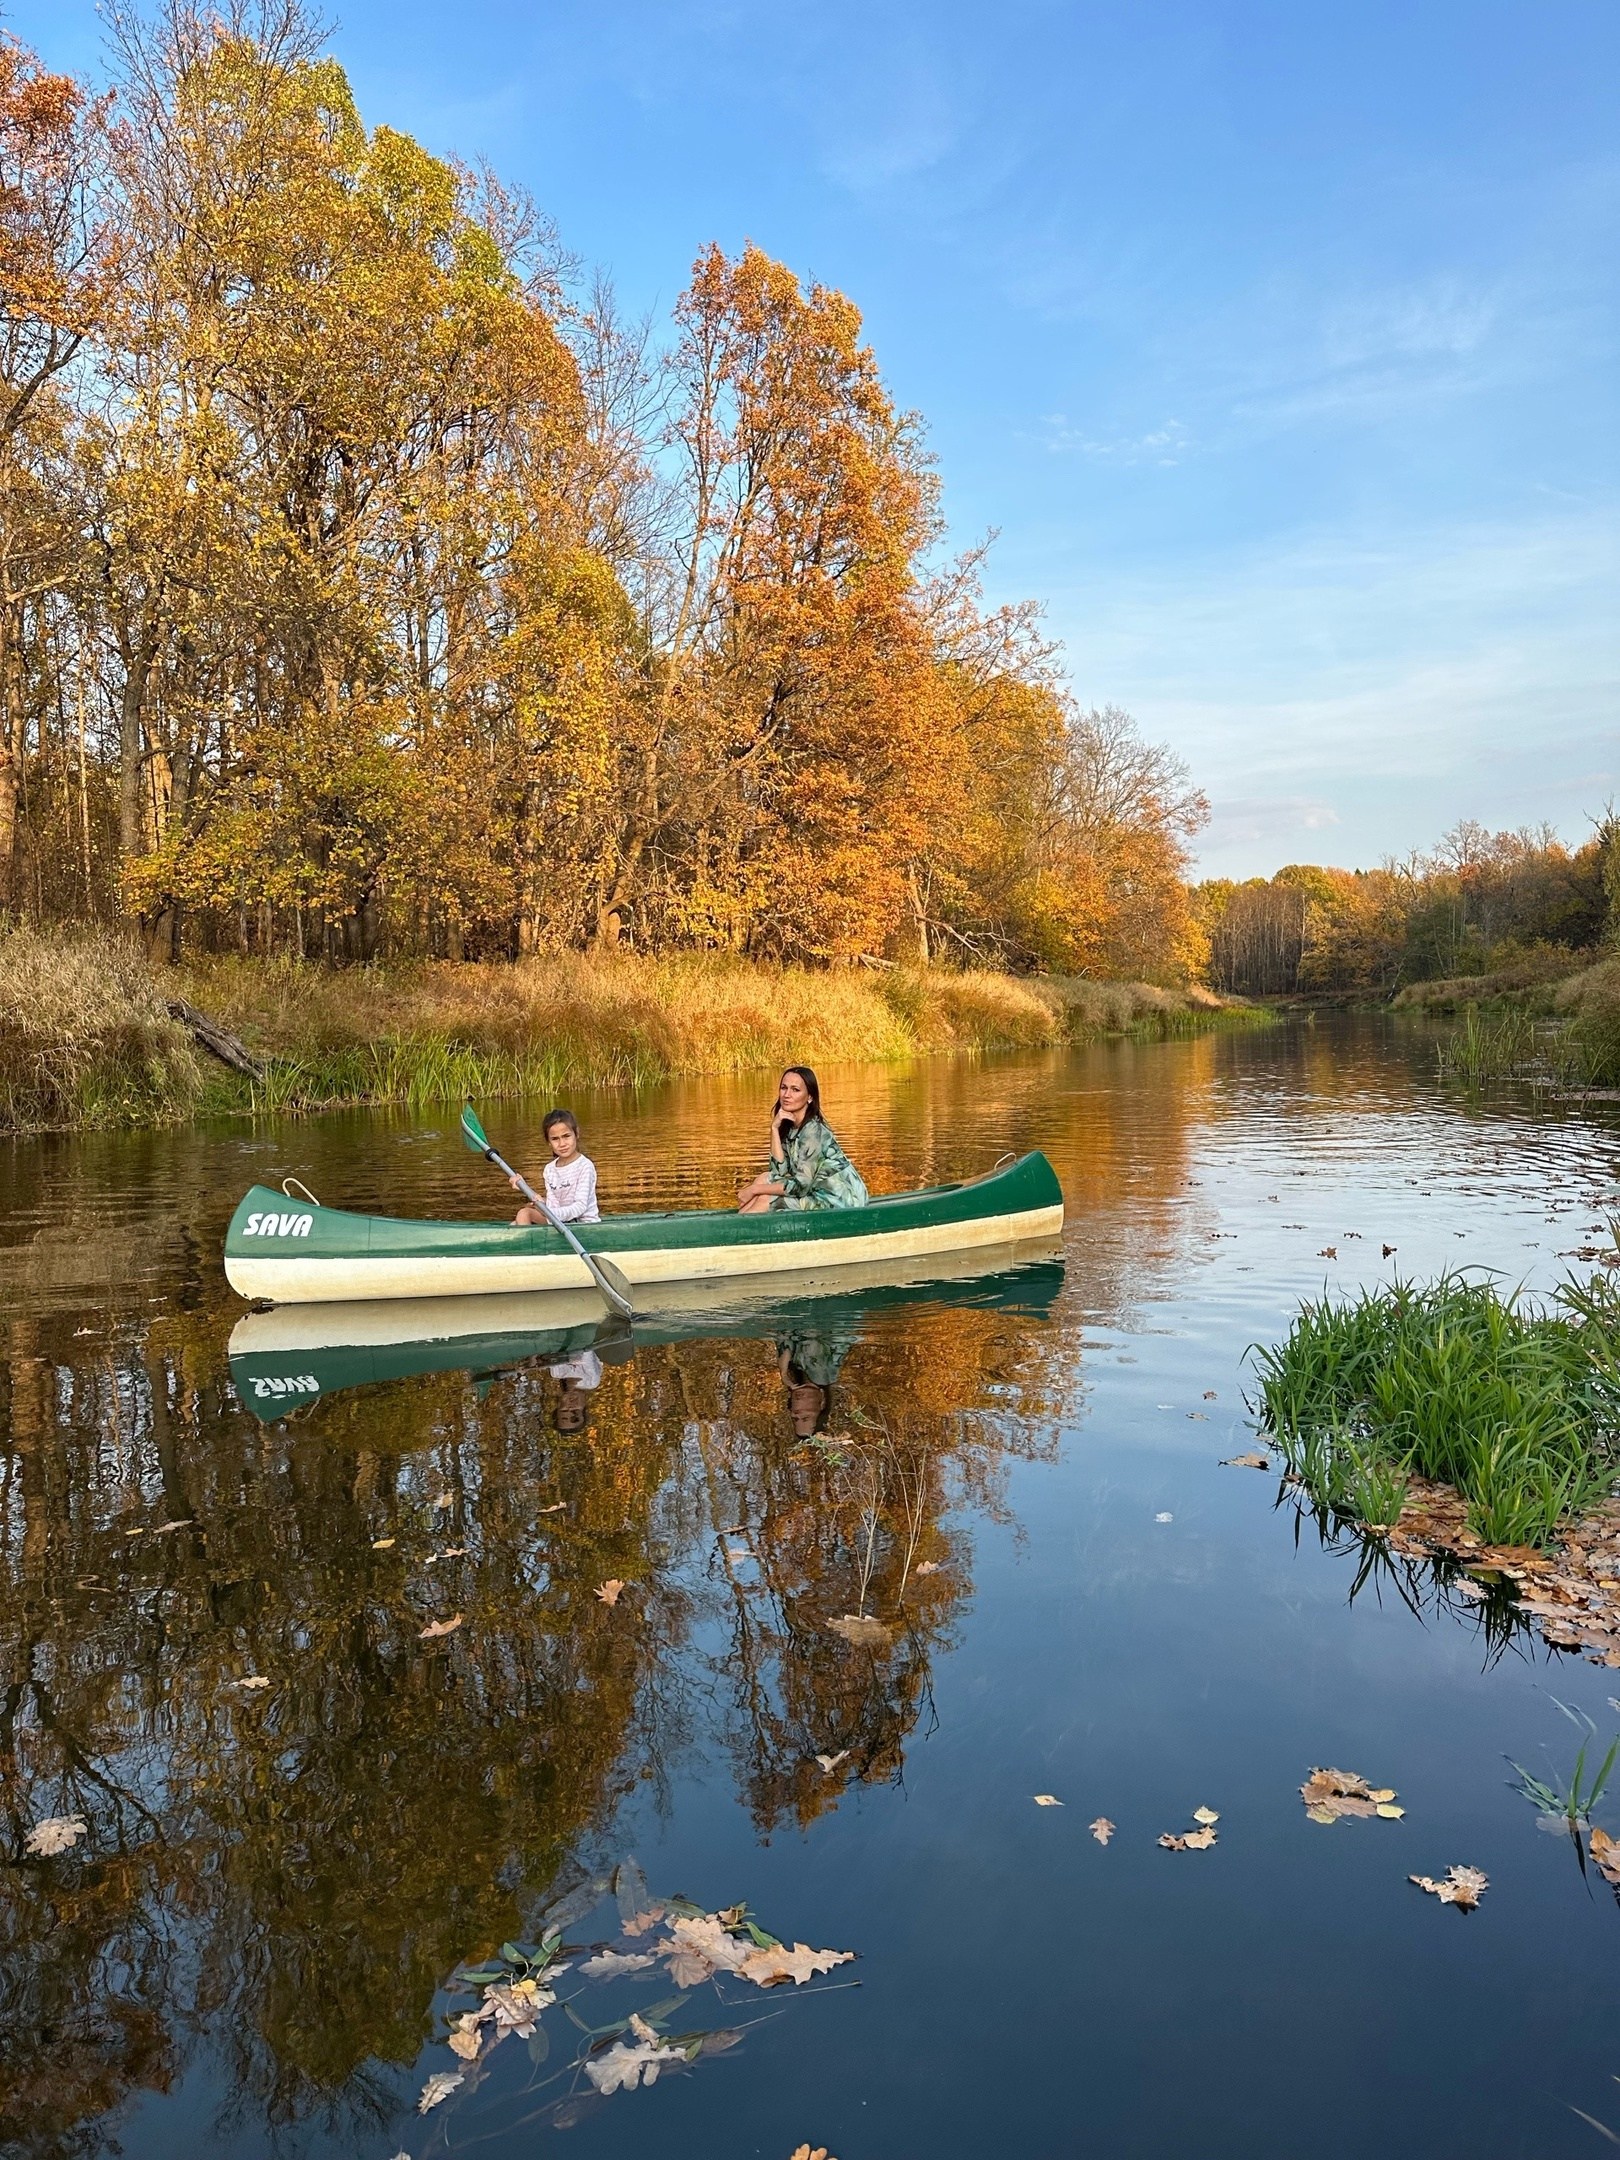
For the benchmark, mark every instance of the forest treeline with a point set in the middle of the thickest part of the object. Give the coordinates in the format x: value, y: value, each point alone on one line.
x: 370, y: 585
x: 1511, y: 908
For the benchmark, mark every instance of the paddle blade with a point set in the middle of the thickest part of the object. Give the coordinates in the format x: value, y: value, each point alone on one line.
x: 472, y: 1132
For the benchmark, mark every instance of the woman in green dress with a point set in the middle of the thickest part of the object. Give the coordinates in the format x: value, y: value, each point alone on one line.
x: 808, y: 1169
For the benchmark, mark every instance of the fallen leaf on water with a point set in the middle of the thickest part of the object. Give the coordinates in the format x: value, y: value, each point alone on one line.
x: 609, y: 1964
x: 253, y: 1680
x: 441, y: 1500
x: 809, y: 2152
x: 182, y: 1522
x: 829, y: 1763
x: 624, y: 2066
x: 699, y: 1947
x: 381, y: 1544
x: 1330, y: 1795
x: 1102, y: 1829
x: 1390, y: 1812
x: 439, y: 1627
x: 734, y: 1553
x: 451, y: 1552
x: 1165, y: 1517
x: 1251, y: 1461
x: 926, y: 1567
x: 1462, y: 1886
x: 438, y: 2087
x: 555, y: 1508
x: 465, y: 2038
x: 769, y: 1968
x: 1205, y: 1815
x: 608, y: 1592
x: 1209, y: 1394
x: 1194, y: 1841
x: 1606, y: 1852
x: 1046, y: 1799
x: 860, y: 1628
x: 1388, y: 1250
x: 1328, y: 1252
x: 56, y: 1833
x: 1198, y: 1417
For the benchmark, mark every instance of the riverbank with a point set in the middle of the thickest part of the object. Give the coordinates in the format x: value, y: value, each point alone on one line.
x: 87, y: 1037
x: 1535, y: 1020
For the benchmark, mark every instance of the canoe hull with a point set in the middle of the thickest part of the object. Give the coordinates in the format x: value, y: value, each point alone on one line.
x: 290, y: 1253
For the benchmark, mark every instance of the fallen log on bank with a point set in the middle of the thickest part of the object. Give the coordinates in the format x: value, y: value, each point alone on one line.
x: 217, y: 1041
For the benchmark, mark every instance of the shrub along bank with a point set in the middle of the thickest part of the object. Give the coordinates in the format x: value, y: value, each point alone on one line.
x: 87, y: 1036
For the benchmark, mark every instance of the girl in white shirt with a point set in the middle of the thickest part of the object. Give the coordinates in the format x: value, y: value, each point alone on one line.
x: 570, y: 1176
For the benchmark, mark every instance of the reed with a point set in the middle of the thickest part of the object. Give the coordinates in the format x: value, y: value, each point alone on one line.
x: 99, y: 1048
x: 1489, y: 1045
x: 1515, y: 1405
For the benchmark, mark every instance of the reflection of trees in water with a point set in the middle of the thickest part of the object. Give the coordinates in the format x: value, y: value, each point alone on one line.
x: 288, y: 1873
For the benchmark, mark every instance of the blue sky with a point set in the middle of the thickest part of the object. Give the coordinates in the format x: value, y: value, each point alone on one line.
x: 1278, y: 341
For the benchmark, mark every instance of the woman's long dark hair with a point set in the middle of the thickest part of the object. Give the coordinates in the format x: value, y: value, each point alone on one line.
x: 812, y: 1089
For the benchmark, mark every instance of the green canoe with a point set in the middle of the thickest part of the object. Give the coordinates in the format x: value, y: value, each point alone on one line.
x: 300, y: 1354
x: 292, y: 1252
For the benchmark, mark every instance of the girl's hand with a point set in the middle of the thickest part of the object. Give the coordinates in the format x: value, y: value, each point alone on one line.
x: 515, y: 1182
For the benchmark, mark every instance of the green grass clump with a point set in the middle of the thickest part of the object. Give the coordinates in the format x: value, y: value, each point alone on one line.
x: 1517, y: 1406
x: 1488, y: 1045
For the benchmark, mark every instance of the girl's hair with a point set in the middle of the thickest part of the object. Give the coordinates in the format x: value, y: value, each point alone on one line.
x: 812, y: 1088
x: 559, y: 1117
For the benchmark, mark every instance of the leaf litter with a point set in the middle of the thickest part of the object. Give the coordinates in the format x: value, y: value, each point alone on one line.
x: 1199, y: 1840
x: 1338, y: 1795
x: 1459, y: 1886
x: 660, y: 1941
x: 55, y: 1834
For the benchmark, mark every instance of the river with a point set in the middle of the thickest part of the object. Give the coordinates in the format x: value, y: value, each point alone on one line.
x: 1010, y: 1561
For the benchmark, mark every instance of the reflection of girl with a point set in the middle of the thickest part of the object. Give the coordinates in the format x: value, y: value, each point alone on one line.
x: 808, y: 1169
x: 576, y: 1377
x: 809, y: 1364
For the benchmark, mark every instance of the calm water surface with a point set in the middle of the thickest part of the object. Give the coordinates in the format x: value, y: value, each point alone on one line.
x: 1019, y: 1489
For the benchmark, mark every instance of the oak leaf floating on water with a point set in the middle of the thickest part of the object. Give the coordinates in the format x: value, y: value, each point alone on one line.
x: 830, y: 1763
x: 860, y: 1628
x: 625, y: 2066
x: 699, y: 1946
x: 1102, y: 1829
x: 439, y: 1627
x: 381, y: 1544
x: 926, y: 1567
x: 1332, y: 1795
x: 1250, y: 1461
x: 608, y: 1592
x: 610, y: 1964
x: 1194, y: 1841
x: 1605, y: 1851
x: 438, y: 2087
x: 555, y: 1508
x: 55, y: 1834
x: 808, y: 2152
x: 769, y: 1968
x: 1209, y: 1394
x: 450, y: 1552
x: 1460, y: 1886
x: 1328, y: 1252
x: 1046, y: 1799
x: 253, y: 1680
x: 1206, y: 1816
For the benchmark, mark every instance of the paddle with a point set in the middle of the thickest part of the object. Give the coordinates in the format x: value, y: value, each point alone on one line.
x: 607, y: 1277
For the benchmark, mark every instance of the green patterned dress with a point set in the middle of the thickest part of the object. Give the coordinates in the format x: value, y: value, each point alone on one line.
x: 815, y: 1172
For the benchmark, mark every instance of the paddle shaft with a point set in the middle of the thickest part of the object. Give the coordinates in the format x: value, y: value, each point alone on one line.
x: 618, y: 1299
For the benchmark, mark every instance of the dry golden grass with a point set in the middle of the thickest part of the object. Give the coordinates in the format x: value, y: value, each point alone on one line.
x: 84, y: 1036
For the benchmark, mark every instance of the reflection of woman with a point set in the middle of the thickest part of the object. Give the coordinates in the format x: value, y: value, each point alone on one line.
x: 809, y: 1364
x: 808, y: 1169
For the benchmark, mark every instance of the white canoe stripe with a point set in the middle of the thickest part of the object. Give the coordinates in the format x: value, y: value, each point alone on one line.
x: 306, y: 1280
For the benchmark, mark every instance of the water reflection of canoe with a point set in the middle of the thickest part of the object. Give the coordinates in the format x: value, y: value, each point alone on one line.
x: 296, y: 1253
x: 298, y: 1354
